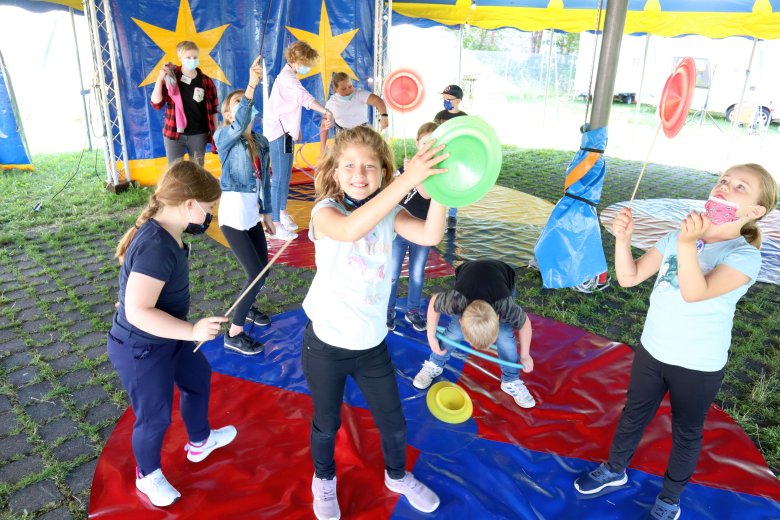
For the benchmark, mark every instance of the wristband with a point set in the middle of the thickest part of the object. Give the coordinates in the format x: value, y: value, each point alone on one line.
x: 254, y: 86
x: 382, y: 115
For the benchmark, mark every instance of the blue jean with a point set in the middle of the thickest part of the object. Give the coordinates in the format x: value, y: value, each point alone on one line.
x: 418, y: 256
x: 281, y: 171
x: 148, y: 372
x: 507, y: 348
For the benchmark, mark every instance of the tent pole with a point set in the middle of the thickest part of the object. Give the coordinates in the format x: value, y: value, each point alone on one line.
x: 642, y: 77
x: 547, y: 77
x: 81, y: 79
x: 614, y: 23
x: 738, y: 109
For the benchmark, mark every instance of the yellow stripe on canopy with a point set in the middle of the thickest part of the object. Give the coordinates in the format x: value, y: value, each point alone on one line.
x: 761, y: 23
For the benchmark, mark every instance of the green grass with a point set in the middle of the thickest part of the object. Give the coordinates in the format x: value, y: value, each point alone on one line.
x: 84, y: 199
x: 57, y: 266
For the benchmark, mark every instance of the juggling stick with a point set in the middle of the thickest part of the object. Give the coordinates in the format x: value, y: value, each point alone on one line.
x: 644, y: 165
x: 440, y: 335
x: 257, y: 279
x: 673, y: 108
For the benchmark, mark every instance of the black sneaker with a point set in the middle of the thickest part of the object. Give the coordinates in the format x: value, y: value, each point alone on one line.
x: 390, y: 319
x: 260, y: 319
x: 418, y: 322
x: 243, y: 344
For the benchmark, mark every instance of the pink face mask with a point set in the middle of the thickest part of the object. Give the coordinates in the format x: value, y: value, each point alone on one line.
x: 721, y: 211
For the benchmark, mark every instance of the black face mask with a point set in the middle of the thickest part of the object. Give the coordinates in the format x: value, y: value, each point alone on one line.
x: 351, y: 203
x: 199, y: 229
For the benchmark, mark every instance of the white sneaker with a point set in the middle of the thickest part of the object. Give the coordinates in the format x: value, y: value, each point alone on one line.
x: 426, y: 375
x: 217, y: 439
x: 282, y: 233
x: 522, y: 396
x: 418, y: 494
x: 326, y: 503
x: 157, y: 488
x: 287, y: 221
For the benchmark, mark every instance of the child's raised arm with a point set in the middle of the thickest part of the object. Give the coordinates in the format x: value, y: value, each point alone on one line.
x: 426, y: 232
x: 631, y: 272
x: 331, y: 223
x: 694, y: 285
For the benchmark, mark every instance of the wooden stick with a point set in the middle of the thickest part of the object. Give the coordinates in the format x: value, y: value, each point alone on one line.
x: 647, y: 159
x: 257, y: 279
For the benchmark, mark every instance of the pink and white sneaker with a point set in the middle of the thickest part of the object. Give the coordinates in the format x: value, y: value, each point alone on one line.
x: 217, y: 439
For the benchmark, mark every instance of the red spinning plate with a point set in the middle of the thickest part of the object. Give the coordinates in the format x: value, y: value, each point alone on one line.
x: 677, y: 96
x: 403, y: 90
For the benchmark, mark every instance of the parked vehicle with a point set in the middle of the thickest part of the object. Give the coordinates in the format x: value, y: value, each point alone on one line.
x: 722, y: 66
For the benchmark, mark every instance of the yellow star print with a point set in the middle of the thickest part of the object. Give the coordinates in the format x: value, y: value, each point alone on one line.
x: 185, y: 30
x: 329, y: 47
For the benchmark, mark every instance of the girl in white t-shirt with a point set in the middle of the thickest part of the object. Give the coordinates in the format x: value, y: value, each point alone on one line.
x: 352, y: 226
x: 246, y: 195
x: 349, y: 107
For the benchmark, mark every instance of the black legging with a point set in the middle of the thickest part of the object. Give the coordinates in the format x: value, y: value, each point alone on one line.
x: 251, y: 250
x: 691, y: 393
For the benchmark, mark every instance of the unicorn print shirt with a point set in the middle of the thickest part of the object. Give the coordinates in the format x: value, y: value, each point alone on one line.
x: 347, y: 300
x: 696, y: 335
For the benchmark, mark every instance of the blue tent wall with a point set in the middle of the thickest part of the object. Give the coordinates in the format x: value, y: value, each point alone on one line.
x: 13, y: 148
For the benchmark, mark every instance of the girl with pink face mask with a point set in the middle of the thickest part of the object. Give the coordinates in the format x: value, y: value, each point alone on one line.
x: 703, y: 268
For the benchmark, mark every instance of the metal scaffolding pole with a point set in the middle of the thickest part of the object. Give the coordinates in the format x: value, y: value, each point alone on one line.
x: 107, y: 89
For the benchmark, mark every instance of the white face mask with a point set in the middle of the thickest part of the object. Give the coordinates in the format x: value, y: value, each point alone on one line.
x: 190, y: 63
x: 303, y: 69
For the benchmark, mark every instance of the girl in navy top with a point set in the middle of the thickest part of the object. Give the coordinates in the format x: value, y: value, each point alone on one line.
x: 150, y: 343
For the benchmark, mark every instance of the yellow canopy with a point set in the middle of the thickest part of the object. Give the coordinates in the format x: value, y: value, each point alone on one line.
x: 711, y: 18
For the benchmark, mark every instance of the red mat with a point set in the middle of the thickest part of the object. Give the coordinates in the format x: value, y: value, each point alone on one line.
x: 265, y: 473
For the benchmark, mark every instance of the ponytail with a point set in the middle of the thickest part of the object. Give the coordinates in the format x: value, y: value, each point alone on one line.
x: 752, y: 234
x: 150, y: 211
x: 767, y: 197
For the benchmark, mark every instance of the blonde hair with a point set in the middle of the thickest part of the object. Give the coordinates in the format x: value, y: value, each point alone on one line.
x: 767, y: 197
x: 225, y: 107
x: 183, y: 181
x: 326, y: 186
x: 479, y: 322
x: 186, y: 45
x: 426, y: 128
x: 301, y: 52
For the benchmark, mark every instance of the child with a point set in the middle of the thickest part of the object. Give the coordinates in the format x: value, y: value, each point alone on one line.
x: 705, y: 268
x: 150, y: 343
x: 198, y: 97
x: 352, y: 227
x: 282, y: 126
x: 483, y: 311
x: 350, y: 107
x: 452, y: 96
x: 245, y: 172
x: 417, y: 205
